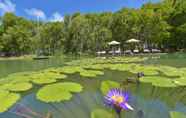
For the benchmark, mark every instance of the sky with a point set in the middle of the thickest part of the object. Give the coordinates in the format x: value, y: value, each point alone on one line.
x: 54, y: 10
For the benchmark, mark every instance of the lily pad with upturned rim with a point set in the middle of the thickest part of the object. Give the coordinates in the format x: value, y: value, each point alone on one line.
x: 101, y: 113
x: 175, y: 114
x: 107, y: 85
x: 90, y: 73
x: 58, y: 92
x: 159, y: 81
x: 16, y: 87
x: 7, y: 99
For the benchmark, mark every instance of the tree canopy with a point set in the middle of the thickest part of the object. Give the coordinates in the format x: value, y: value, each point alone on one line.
x: 160, y: 25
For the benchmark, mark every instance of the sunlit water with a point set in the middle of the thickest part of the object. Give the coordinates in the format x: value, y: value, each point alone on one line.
x: 148, y: 101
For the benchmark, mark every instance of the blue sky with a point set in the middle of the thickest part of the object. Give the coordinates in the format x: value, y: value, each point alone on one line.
x: 54, y: 10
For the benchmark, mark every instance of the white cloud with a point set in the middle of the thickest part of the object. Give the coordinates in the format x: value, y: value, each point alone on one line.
x: 36, y: 12
x: 7, y: 6
x: 56, y: 17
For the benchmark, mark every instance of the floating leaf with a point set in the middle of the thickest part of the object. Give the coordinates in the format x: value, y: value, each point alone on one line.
x: 90, y: 73
x: 175, y: 114
x: 45, y: 78
x: 180, y: 81
x: 24, y: 86
x: 7, y: 100
x: 44, y: 81
x: 101, y: 113
x: 165, y: 83
x: 107, y: 85
x: 170, y: 71
x: 159, y: 81
x: 147, y: 70
x: 19, y: 86
x: 71, y: 69
x: 58, y: 92
x: 96, y: 66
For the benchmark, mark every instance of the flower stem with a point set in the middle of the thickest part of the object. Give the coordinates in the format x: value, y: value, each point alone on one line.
x: 118, y: 115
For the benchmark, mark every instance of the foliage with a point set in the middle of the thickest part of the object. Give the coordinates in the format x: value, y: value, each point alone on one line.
x: 58, y: 92
x: 90, y: 73
x: 175, y: 114
x: 101, y: 113
x: 107, y: 85
x: 17, y: 87
x: 7, y: 100
x: 156, y: 25
x: 159, y: 81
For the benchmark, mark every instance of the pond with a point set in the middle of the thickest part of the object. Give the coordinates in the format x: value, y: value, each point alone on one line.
x: 148, y: 99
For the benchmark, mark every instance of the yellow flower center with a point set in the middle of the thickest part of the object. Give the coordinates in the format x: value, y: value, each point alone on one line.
x: 118, y: 99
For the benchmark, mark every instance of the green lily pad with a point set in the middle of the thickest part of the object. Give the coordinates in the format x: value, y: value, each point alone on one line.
x: 7, y: 99
x: 159, y: 81
x: 175, y: 114
x: 147, y: 70
x: 71, y: 69
x: 46, y: 77
x: 165, y: 83
x: 44, y: 81
x: 101, y: 113
x: 170, y: 71
x: 90, y: 73
x: 58, y: 92
x: 180, y: 81
x: 24, y: 86
x: 20, y: 86
x: 107, y: 85
x: 96, y: 66
x: 18, y: 77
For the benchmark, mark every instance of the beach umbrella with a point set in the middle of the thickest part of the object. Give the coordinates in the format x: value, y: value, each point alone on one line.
x: 114, y: 43
x: 133, y: 41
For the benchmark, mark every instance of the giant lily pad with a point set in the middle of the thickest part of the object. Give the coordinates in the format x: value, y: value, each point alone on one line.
x: 71, y: 69
x: 43, y: 81
x: 165, y: 83
x: 58, y: 92
x: 7, y: 100
x: 19, y: 86
x: 107, y: 85
x: 96, y: 66
x: 44, y: 77
x: 101, y: 113
x: 175, y: 114
x: 170, y: 71
x: 23, y: 86
x: 159, y: 81
x: 90, y: 73
x: 147, y: 70
x: 180, y: 81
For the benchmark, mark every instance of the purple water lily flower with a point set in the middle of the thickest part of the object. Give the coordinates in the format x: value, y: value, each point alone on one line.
x: 117, y: 99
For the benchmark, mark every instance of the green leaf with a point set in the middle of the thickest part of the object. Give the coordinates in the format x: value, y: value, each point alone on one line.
x: 90, y: 73
x: 7, y: 99
x: 19, y: 86
x: 147, y: 70
x: 180, y: 81
x: 170, y: 71
x: 58, y: 92
x: 107, y: 85
x: 101, y: 113
x: 46, y: 77
x: 43, y: 81
x: 70, y: 69
x: 175, y: 114
x: 159, y: 81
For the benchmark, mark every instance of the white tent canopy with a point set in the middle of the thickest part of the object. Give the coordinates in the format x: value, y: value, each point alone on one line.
x: 114, y: 43
x: 133, y: 41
